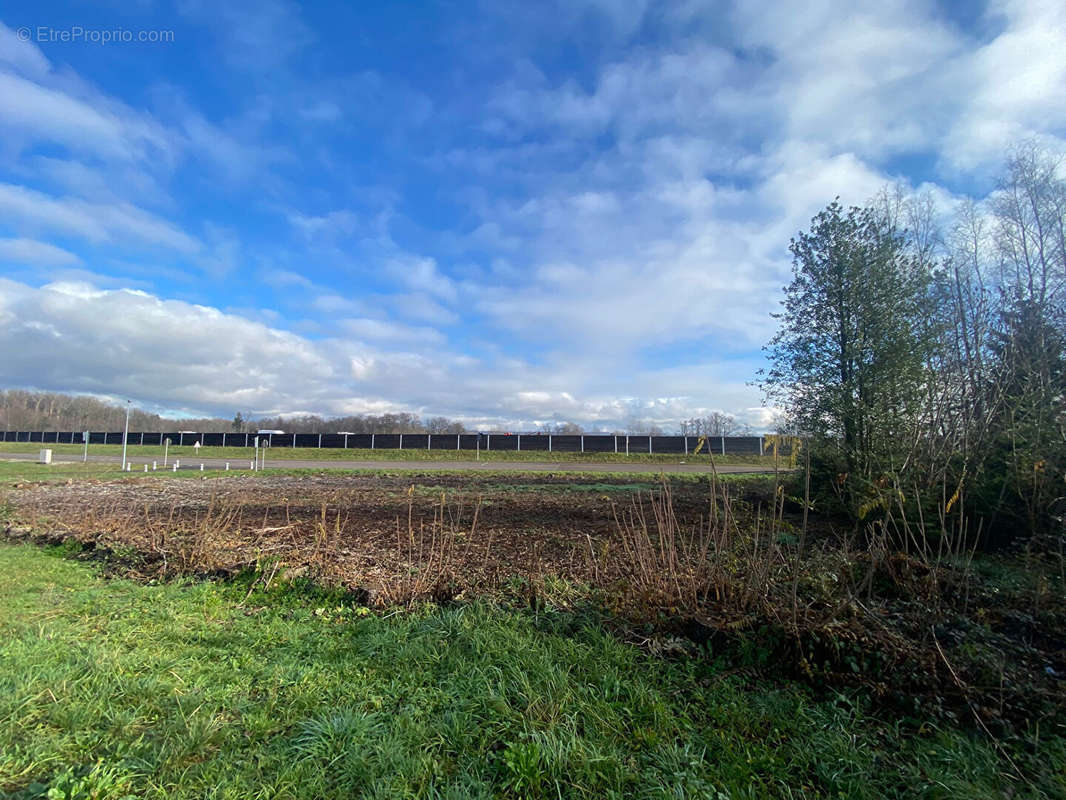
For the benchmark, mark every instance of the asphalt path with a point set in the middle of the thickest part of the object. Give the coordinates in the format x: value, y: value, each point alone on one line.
x: 636, y: 468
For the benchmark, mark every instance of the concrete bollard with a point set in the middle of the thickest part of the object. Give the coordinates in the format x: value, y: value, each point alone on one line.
x: 145, y: 467
x: 227, y: 466
x: 46, y: 456
x: 175, y: 466
x: 201, y: 468
x: 155, y: 465
x: 177, y: 463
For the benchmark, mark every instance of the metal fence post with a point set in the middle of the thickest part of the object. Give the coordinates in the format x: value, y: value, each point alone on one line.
x: 518, y: 443
x: 320, y: 441
x: 649, y: 445
x: 401, y: 441
x: 627, y: 444
x: 549, y: 442
x: 582, y: 443
x: 429, y: 439
x: 686, y: 444
x: 371, y: 441
x: 760, y: 445
x: 723, y: 445
x: 457, y: 440
x: 488, y: 441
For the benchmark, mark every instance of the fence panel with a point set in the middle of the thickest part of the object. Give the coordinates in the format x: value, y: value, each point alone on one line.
x: 599, y: 444
x: 668, y: 444
x: 386, y: 441
x: 533, y: 442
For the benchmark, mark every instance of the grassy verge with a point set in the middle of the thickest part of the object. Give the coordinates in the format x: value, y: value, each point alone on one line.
x: 110, y: 689
x: 13, y: 472
x: 329, y: 454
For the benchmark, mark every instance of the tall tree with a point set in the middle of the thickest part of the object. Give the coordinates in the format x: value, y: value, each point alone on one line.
x: 849, y: 361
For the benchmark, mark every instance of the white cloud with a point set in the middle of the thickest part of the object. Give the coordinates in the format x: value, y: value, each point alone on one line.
x: 34, y: 253
x: 73, y: 336
x: 95, y: 222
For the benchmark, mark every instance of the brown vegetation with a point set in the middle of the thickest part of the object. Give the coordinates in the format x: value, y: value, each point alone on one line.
x: 750, y: 570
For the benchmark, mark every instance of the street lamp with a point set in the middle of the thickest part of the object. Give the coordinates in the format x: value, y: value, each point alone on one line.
x: 125, y: 434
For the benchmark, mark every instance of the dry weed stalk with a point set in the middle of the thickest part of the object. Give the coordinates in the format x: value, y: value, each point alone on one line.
x: 430, y: 552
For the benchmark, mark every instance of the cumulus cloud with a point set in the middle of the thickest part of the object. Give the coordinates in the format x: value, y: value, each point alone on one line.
x: 69, y: 336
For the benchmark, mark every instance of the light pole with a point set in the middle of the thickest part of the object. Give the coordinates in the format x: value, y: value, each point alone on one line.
x: 125, y: 434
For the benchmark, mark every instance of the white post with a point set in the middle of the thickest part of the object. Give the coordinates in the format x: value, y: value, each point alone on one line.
x: 518, y: 446
x: 478, y: 456
x: 760, y: 445
x: 371, y: 441
x: 251, y: 465
x: 723, y: 445
x: 458, y: 440
x: 582, y: 443
x: 227, y: 466
x: 616, y: 445
x: 686, y: 444
x: 201, y: 468
x: 320, y: 441
x: 549, y: 442
x: 155, y: 465
x: 142, y: 439
x: 401, y: 441
x: 294, y: 441
x: 125, y: 434
x: 256, y: 462
x: 488, y: 441
x: 145, y: 467
x: 627, y: 444
x: 649, y: 445
x: 177, y: 463
x: 175, y: 466
x: 345, y: 441
x: 85, y: 436
x: 429, y: 439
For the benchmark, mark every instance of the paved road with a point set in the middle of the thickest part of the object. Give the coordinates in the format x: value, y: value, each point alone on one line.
x: 138, y: 463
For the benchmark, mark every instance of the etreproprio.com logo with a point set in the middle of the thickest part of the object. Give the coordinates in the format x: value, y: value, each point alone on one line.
x: 76, y: 34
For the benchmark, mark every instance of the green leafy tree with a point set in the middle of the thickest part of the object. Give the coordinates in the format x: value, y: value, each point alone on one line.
x: 1022, y: 479
x: 849, y: 361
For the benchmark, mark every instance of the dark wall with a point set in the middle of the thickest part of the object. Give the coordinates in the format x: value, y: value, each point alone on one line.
x: 561, y: 443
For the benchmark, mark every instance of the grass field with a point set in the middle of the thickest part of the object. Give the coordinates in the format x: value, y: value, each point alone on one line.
x: 16, y: 472
x: 111, y: 689
x: 331, y: 454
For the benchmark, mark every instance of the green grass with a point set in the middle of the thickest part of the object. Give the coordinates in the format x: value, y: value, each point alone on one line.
x: 237, y: 454
x: 13, y: 472
x: 110, y: 688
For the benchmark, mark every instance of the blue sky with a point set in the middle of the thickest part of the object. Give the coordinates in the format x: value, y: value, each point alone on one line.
x: 508, y: 213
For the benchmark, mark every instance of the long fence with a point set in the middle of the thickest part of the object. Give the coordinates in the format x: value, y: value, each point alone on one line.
x: 525, y: 442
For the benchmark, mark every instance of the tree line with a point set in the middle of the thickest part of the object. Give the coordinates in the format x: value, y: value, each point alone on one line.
x: 923, y: 357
